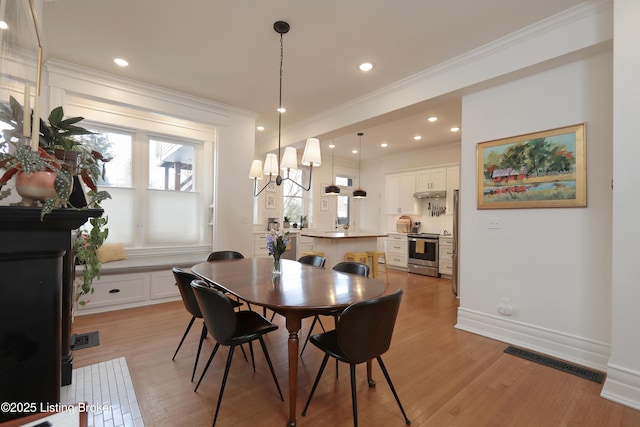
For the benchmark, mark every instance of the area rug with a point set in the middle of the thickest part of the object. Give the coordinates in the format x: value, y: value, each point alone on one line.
x: 107, y: 389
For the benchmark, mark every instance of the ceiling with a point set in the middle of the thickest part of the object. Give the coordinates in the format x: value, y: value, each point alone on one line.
x: 228, y: 51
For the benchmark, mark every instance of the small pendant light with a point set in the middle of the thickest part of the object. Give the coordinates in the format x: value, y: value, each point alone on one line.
x: 333, y: 189
x: 359, y: 193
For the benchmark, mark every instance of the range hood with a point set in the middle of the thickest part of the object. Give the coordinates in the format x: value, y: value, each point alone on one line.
x: 430, y: 194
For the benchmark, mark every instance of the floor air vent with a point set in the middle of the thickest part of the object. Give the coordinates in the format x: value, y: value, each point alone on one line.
x: 576, y: 370
x: 90, y: 339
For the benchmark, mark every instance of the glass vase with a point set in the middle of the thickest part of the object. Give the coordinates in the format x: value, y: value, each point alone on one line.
x: 276, y: 266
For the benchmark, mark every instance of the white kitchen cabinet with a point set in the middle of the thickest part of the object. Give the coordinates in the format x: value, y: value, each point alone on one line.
x: 396, y: 250
x: 434, y: 179
x: 453, y: 183
x: 260, y: 248
x: 399, y: 189
x: 260, y: 245
x: 305, y: 244
x: 445, y: 256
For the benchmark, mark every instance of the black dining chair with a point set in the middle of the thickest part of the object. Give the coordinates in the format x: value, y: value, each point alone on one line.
x: 363, y: 333
x: 230, y: 328
x: 352, y: 267
x: 227, y: 255
x: 183, y: 281
x: 222, y: 255
x: 316, y: 261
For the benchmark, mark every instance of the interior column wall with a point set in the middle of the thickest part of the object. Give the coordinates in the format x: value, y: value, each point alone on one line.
x: 623, y: 374
x: 553, y: 264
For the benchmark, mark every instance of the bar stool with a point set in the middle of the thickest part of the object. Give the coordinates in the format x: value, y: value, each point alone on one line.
x: 357, y: 257
x: 375, y: 268
x: 320, y: 253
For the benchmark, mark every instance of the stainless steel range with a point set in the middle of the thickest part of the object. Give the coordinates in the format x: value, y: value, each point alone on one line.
x: 423, y: 254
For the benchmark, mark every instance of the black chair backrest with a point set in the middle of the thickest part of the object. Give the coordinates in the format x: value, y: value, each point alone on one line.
x: 352, y: 267
x: 183, y: 280
x: 217, y: 311
x: 315, y: 260
x: 365, y: 328
x: 221, y: 255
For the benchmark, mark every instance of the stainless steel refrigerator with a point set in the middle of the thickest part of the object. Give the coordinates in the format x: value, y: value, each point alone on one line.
x: 456, y: 239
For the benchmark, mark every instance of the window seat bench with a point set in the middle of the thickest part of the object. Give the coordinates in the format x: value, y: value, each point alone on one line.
x: 136, y: 281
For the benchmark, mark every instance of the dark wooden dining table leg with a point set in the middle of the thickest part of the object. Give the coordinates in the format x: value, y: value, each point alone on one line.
x: 294, y: 323
x: 370, y: 379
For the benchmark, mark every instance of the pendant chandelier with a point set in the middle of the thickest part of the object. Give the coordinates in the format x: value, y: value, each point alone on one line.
x: 359, y: 193
x: 310, y: 157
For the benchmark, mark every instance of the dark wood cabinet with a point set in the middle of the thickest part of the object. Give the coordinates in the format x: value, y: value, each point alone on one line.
x: 36, y: 300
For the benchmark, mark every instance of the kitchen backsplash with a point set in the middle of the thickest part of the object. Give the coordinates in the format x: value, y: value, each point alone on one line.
x: 429, y: 223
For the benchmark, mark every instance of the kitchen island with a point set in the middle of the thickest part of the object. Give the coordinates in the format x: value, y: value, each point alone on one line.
x: 336, y: 244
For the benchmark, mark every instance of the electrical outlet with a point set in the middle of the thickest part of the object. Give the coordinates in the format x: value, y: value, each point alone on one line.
x: 505, y: 307
x: 507, y: 310
x: 495, y: 223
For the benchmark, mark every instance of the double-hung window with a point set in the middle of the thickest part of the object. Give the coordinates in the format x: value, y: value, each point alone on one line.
x: 159, y: 185
x: 293, y: 196
x: 343, y: 213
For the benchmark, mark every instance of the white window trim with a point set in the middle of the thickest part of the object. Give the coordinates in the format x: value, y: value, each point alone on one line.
x: 130, y: 119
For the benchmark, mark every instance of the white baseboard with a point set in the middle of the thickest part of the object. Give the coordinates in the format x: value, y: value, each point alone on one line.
x: 622, y: 386
x: 581, y: 351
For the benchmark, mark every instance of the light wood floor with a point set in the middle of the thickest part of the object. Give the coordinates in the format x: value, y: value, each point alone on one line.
x: 444, y: 377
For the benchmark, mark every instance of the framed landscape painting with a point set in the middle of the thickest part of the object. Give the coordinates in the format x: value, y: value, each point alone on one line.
x: 545, y: 169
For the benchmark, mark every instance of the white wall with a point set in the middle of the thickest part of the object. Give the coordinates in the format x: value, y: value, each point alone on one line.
x: 233, y: 193
x: 623, y: 374
x: 554, y: 264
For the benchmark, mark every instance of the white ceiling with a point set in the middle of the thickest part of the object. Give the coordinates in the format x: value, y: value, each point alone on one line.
x: 227, y: 51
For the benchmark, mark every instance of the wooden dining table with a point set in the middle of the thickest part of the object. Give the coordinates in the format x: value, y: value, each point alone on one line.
x: 299, y: 291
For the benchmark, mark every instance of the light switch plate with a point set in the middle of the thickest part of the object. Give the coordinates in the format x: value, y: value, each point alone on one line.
x: 495, y: 223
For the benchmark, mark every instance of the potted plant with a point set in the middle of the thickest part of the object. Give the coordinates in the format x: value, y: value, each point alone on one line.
x: 285, y: 223
x: 85, y: 246
x: 56, y: 139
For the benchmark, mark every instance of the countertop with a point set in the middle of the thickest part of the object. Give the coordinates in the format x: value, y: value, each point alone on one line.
x: 337, y: 235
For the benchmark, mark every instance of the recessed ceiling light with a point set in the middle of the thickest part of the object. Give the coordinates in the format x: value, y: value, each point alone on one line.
x: 366, y: 66
x: 354, y: 151
x: 417, y: 137
x: 432, y: 119
x: 384, y: 145
x: 3, y: 25
x: 121, y: 62
x: 332, y: 146
x: 282, y: 110
x: 260, y: 128
x: 454, y: 129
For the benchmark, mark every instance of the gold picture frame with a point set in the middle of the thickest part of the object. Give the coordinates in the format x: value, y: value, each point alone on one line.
x: 546, y: 169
